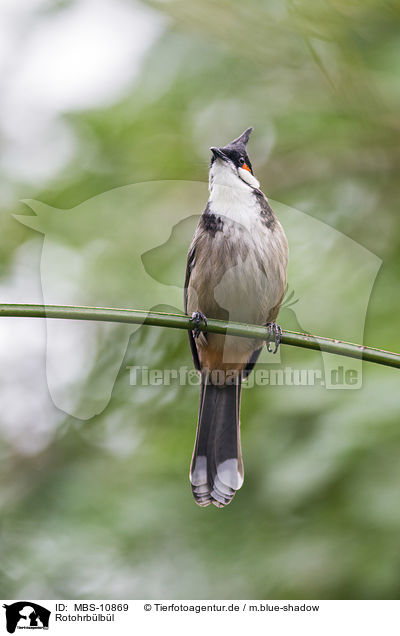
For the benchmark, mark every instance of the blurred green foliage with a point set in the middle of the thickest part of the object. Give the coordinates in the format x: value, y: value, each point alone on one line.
x: 102, y: 508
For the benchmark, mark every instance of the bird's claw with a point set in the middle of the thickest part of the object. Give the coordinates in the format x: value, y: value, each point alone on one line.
x: 274, y: 335
x: 197, y: 316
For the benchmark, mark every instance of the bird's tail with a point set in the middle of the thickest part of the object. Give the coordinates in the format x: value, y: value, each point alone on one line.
x: 216, y: 471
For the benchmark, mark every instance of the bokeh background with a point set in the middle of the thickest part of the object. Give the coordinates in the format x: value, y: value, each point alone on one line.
x: 100, y: 94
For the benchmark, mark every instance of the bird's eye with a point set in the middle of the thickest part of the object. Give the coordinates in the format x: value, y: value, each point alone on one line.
x: 241, y: 161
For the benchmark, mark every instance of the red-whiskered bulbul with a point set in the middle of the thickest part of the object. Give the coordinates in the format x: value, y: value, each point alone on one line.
x: 236, y: 270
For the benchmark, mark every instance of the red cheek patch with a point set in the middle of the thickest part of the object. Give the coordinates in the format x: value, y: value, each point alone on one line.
x: 246, y: 167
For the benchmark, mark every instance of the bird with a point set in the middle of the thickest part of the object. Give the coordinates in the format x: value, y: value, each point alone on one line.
x: 236, y: 271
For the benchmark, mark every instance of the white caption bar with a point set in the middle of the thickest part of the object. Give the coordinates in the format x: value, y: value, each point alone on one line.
x: 277, y: 617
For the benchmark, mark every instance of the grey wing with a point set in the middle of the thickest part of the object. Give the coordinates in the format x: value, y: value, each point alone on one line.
x: 189, y: 267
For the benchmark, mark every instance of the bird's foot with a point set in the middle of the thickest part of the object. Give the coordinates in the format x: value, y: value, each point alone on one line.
x: 274, y: 335
x: 196, y: 318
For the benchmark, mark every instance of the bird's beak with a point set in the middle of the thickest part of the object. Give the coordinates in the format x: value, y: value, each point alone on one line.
x: 217, y: 152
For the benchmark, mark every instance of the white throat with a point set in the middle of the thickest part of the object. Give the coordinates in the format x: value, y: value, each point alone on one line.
x: 225, y: 174
x: 230, y: 196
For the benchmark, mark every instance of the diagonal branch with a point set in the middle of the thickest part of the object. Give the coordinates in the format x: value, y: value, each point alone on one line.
x: 176, y: 321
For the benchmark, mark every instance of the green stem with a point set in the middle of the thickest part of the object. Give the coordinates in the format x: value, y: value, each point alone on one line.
x: 176, y: 321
